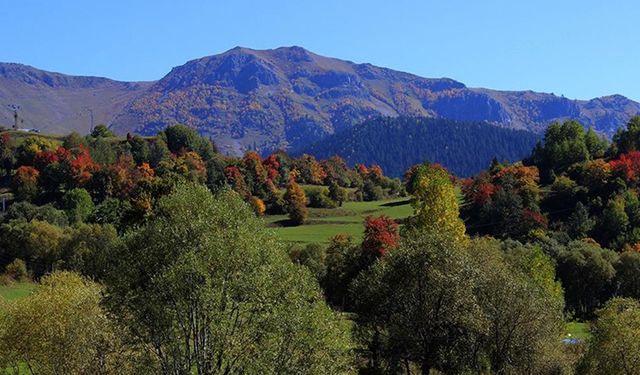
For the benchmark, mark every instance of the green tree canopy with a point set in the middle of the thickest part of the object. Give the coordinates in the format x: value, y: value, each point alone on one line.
x: 78, y: 205
x: 628, y: 139
x: 523, y: 305
x: 102, y: 131
x: 418, y: 301
x: 615, y: 348
x: 207, y: 288
x: 61, y: 328
x: 564, y: 145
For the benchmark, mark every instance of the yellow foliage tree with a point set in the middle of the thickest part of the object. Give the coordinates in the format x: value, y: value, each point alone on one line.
x: 296, y: 201
x: 61, y: 328
x: 434, y: 202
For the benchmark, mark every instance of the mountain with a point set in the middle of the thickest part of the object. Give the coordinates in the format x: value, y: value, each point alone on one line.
x: 464, y: 148
x: 289, y: 97
x: 282, y: 98
x: 59, y: 103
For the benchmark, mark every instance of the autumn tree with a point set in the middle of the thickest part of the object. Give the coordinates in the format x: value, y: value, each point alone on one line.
x: 380, y: 235
x: 256, y: 174
x: 258, y: 205
x: 191, y: 166
x: 25, y: 183
x: 236, y: 180
x: 296, y: 202
x: 337, y: 171
x: 309, y: 169
x: 434, y: 202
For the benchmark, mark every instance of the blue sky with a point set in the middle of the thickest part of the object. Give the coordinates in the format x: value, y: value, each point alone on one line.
x: 581, y: 49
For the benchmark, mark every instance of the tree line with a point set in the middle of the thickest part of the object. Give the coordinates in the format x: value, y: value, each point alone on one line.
x: 162, y: 265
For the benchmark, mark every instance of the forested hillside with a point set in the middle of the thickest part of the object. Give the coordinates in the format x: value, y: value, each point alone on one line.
x: 464, y: 148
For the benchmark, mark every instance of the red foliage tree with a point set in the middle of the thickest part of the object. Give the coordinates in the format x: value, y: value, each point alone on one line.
x: 235, y: 178
x: 375, y: 173
x: 628, y: 165
x: 44, y: 158
x: 362, y: 170
x: 272, y: 165
x: 380, y: 235
x: 479, y: 190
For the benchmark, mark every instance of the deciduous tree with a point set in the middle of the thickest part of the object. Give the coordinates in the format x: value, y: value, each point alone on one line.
x: 207, y: 289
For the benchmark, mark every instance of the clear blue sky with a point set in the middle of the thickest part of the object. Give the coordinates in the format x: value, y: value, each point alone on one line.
x: 581, y: 49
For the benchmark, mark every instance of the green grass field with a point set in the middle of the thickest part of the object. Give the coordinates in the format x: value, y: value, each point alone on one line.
x: 578, y: 330
x: 325, y: 223
x: 16, y: 291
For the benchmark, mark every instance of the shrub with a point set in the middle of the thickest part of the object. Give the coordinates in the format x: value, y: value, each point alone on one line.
x: 337, y: 194
x: 17, y: 270
x: 372, y: 192
x: 319, y: 199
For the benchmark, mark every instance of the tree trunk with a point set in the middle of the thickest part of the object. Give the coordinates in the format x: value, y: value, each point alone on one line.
x: 425, y: 367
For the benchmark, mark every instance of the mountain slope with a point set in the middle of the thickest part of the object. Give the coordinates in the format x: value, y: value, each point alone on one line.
x: 58, y: 103
x: 281, y: 98
x: 465, y: 148
x: 289, y: 97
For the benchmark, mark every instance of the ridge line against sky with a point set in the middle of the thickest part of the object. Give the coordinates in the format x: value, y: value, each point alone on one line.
x: 579, y: 49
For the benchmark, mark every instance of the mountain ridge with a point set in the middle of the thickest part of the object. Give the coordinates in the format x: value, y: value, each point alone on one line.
x: 285, y: 98
x: 60, y: 103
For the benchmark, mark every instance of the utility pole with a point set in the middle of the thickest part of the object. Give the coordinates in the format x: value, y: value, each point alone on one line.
x: 15, y: 109
x: 91, y: 116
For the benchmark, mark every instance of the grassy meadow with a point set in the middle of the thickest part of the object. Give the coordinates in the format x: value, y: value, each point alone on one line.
x: 324, y: 223
x: 15, y: 291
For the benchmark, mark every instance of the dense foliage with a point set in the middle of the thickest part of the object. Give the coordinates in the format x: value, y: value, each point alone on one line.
x: 150, y: 254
